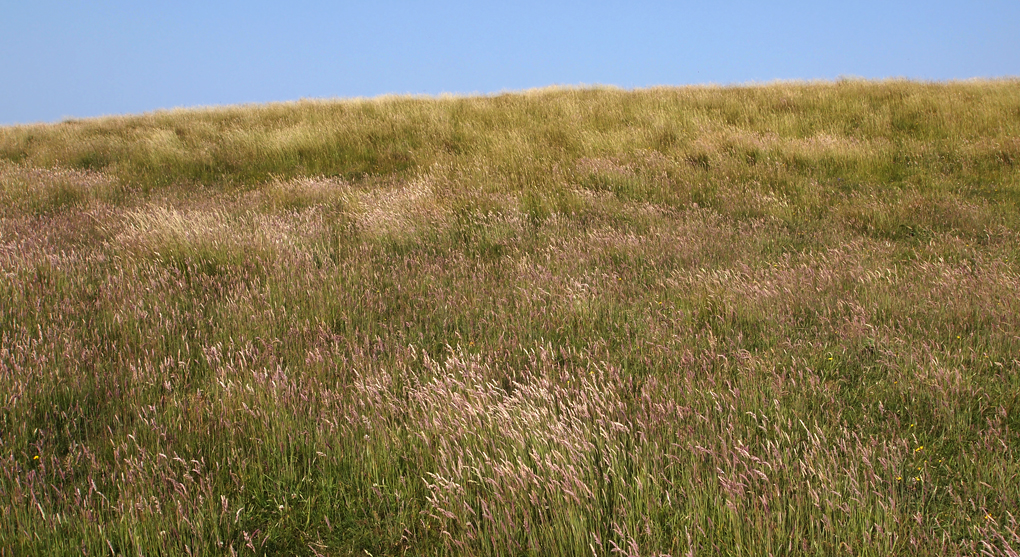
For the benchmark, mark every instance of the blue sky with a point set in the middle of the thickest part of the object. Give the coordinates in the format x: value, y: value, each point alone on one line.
x: 78, y: 59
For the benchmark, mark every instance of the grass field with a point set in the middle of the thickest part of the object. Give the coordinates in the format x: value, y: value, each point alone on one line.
x: 769, y: 320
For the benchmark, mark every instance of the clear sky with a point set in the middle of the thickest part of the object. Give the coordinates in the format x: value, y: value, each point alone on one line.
x: 76, y: 59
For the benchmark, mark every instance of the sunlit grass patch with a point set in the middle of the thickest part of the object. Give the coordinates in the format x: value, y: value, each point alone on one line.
x: 41, y: 191
x: 401, y: 210
x: 213, y: 241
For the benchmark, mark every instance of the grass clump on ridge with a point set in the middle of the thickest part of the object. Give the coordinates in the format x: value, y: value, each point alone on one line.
x: 752, y: 321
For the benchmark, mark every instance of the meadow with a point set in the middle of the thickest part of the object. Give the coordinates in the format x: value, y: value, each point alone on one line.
x: 778, y: 319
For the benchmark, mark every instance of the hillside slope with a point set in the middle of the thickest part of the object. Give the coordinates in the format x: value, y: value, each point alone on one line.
x: 766, y: 320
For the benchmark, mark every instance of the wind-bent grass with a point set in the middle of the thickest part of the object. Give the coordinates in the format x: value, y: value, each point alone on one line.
x: 773, y: 320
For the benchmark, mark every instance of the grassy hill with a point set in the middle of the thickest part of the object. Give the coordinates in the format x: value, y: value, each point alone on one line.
x: 769, y: 320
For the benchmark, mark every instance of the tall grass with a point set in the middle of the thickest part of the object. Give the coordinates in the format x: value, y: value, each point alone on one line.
x: 770, y: 320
